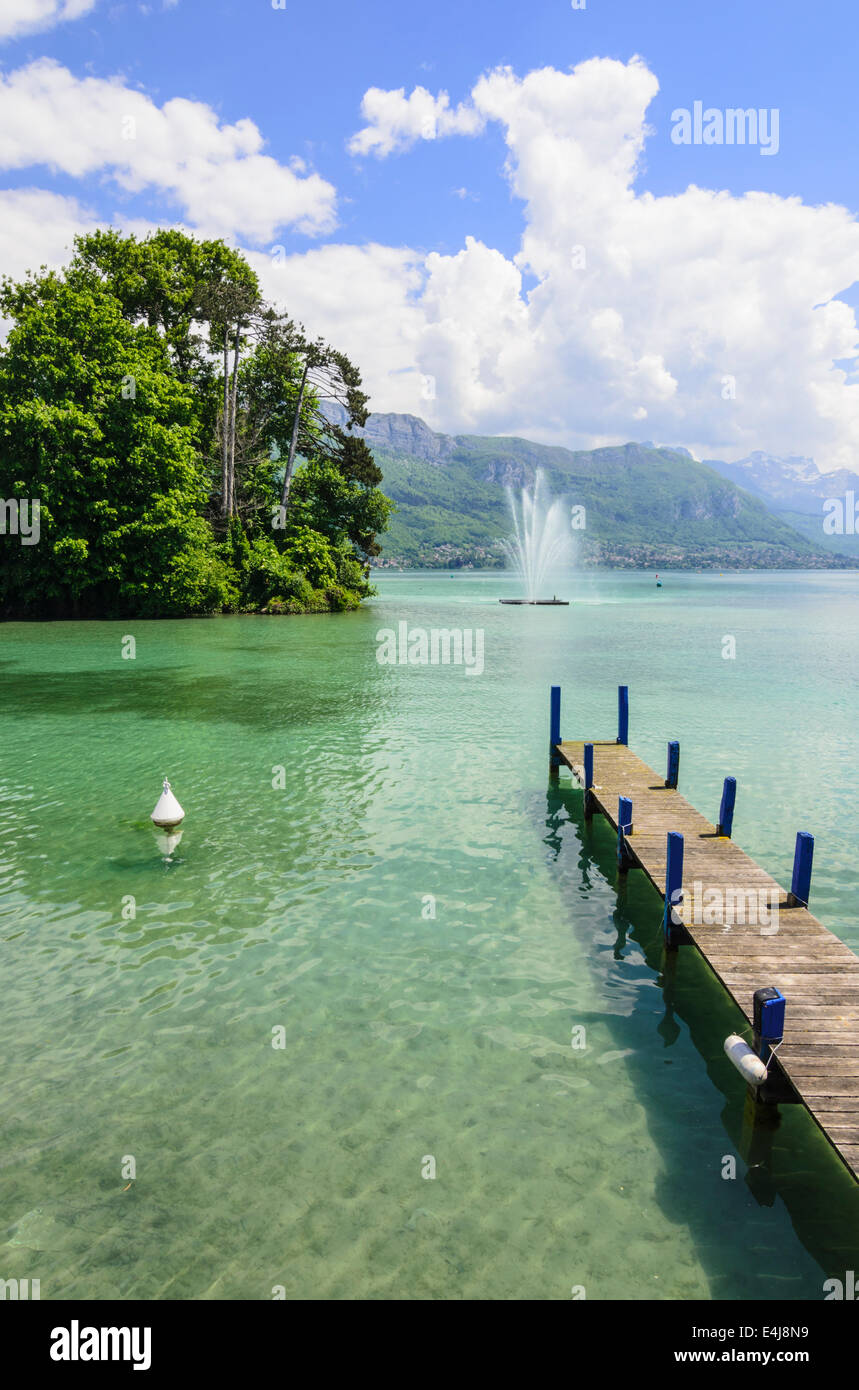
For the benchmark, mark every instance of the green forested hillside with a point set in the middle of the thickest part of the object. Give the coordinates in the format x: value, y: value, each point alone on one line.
x: 650, y: 506
x: 810, y: 525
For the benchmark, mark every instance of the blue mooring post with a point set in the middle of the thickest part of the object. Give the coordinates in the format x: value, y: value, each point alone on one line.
x: 589, y: 766
x: 726, y: 810
x: 624, y: 828
x: 623, y: 714
x: 589, y: 780
x: 673, y: 883
x: 768, y: 1019
x: 554, y: 726
x: 673, y: 772
x: 555, y: 721
x: 800, y: 884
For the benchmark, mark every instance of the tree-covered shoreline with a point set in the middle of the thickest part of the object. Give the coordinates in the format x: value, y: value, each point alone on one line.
x: 172, y: 428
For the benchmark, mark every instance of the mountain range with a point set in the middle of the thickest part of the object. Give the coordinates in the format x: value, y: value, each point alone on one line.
x: 644, y: 505
x: 794, y: 489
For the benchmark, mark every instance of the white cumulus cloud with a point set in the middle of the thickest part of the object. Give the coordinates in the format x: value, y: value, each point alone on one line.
x: 26, y: 16
x: 37, y: 228
x: 395, y: 121
x: 216, y: 174
x: 700, y: 317
x: 365, y: 300
x: 644, y: 307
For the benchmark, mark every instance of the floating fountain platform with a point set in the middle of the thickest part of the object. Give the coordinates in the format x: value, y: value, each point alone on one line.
x: 539, y: 602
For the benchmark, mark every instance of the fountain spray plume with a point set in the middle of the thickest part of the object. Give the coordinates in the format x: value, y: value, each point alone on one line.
x: 542, y: 542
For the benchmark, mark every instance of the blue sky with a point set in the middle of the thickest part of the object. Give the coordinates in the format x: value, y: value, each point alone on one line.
x: 300, y: 75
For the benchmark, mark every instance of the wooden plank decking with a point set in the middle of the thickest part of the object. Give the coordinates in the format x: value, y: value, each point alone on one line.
x: 817, y: 973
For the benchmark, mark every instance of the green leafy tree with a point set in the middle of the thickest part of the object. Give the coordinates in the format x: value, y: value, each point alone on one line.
x: 176, y: 432
x: 340, y: 507
x: 94, y: 424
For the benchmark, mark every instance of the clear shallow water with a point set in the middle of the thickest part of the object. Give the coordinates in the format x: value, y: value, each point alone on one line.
x: 405, y: 1037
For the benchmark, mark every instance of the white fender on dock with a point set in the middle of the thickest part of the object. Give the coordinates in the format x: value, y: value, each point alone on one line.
x: 747, y: 1061
x: 168, y: 813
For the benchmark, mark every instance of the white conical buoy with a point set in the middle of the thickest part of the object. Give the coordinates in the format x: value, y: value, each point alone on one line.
x: 168, y: 813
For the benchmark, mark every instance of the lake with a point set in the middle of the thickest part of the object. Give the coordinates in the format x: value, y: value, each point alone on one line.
x: 227, y: 1072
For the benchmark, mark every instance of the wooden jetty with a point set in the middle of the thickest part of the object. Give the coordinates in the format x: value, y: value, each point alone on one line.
x: 796, y: 983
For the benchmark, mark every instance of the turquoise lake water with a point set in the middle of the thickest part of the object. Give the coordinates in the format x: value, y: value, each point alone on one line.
x: 299, y: 900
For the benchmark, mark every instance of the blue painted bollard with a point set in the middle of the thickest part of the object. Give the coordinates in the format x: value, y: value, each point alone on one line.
x: 623, y: 714
x: 800, y: 884
x: 726, y: 810
x: 673, y: 884
x: 768, y: 1020
x: 555, y: 716
x: 673, y: 773
x: 624, y: 828
x: 554, y: 726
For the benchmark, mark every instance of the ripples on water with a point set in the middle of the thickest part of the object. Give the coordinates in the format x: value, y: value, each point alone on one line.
x: 405, y: 1036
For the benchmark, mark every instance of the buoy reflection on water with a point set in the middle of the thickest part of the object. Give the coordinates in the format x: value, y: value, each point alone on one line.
x: 167, y: 841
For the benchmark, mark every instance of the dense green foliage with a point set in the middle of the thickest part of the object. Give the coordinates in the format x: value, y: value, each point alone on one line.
x: 153, y: 404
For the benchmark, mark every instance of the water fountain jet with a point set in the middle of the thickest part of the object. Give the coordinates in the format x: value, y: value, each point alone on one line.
x: 540, y: 543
